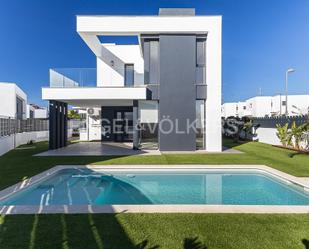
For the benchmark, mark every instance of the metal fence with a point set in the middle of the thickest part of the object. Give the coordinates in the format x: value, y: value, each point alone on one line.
x: 9, y: 126
x: 271, y: 122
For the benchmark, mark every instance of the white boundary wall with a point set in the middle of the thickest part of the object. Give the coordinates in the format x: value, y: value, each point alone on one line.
x: 7, y: 143
x: 267, y: 136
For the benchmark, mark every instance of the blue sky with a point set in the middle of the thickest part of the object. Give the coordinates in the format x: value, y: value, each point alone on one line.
x: 261, y: 39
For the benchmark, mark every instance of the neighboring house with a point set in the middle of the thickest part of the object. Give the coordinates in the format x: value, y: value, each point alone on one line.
x: 267, y: 106
x: 259, y: 106
x: 238, y: 109
x: 297, y: 105
x: 173, y: 74
x: 30, y: 111
x: 13, y: 101
x: 35, y: 111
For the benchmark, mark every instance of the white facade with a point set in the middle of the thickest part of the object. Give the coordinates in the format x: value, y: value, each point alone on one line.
x: 259, y: 106
x: 30, y: 111
x: 9, y: 92
x: 110, y: 89
x: 237, y: 109
x: 34, y: 111
x: 41, y: 113
x: 297, y: 105
x: 229, y: 110
x: 111, y: 64
x: 267, y: 106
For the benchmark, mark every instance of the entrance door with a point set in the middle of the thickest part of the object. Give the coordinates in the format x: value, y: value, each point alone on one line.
x: 123, y: 126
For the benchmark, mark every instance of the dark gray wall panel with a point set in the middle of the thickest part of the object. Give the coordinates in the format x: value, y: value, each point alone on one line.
x: 177, y: 91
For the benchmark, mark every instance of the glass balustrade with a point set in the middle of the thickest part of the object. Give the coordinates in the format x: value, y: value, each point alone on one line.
x: 87, y: 77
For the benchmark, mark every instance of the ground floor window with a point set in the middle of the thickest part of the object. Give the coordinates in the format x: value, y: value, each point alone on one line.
x: 148, y: 119
x: 200, y: 124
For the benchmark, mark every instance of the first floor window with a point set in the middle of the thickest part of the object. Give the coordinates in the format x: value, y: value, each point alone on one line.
x: 129, y: 74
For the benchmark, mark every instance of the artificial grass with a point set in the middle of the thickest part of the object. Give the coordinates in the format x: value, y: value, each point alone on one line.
x: 126, y: 231
x: 20, y: 164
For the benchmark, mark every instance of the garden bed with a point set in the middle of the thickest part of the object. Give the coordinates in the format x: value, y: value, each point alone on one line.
x: 292, y: 148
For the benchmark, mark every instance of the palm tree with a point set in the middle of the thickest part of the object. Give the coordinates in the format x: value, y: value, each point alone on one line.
x: 284, y: 135
x: 297, y: 134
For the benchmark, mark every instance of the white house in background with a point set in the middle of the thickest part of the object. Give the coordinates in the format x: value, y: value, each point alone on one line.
x: 35, y: 111
x: 297, y: 105
x: 13, y: 101
x: 163, y: 76
x: 30, y: 111
x: 259, y: 106
x: 237, y: 109
x: 267, y: 106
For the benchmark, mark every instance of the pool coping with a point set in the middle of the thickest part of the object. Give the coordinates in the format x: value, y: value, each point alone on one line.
x: 82, y: 209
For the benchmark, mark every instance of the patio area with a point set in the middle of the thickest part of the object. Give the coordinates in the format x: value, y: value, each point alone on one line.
x: 98, y: 149
x: 118, y: 149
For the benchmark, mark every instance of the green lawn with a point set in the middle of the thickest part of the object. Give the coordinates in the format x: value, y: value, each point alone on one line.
x: 172, y: 231
x: 20, y: 164
x: 124, y: 231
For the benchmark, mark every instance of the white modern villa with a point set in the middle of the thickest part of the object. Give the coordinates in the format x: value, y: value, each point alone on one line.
x: 267, y: 106
x: 165, y: 90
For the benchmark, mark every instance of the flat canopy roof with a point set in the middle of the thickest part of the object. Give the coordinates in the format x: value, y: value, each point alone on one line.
x: 95, y: 96
x: 89, y: 27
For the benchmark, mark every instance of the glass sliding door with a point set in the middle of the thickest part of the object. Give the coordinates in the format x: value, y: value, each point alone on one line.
x: 123, y: 126
x: 148, y: 117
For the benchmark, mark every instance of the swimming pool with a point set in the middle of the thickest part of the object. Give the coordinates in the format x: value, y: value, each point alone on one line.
x: 82, y: 186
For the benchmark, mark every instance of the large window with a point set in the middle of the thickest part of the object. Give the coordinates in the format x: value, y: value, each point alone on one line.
x: 19, y: 108
x: 148, y: 117
x: 151, y: 61
x: 200, y: 61
x: 129, y: 74
x: 200, y: 124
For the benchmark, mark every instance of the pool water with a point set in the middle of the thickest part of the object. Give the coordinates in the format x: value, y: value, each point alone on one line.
x: 222, y: 187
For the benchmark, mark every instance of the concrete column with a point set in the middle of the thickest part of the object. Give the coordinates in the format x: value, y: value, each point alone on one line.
x: 58, y: 129
x: 65, y: 116
x: 58, y: 124
x: 52, y: 125
x: 135, y: 125
x: 61, y: 121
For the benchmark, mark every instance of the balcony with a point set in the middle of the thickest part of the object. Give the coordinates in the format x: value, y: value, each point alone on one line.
x: 80, y: 87
x: 89, y: 77
x: 72, y: 77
